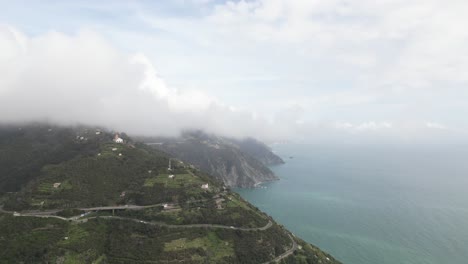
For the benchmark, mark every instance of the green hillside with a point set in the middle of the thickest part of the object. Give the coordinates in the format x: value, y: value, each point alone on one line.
x: 72, y: 195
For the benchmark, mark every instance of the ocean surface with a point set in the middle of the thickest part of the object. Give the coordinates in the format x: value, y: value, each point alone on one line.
x: 373, y: 204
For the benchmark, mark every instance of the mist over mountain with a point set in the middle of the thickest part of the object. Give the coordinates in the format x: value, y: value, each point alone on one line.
x: 82, y: 77
x: 82, y: 194
x: 236, y: 163
x: 258, y: 150
x: 123, y: 125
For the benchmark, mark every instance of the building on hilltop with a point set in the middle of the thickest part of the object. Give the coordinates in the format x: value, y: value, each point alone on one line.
x: 117, y: 139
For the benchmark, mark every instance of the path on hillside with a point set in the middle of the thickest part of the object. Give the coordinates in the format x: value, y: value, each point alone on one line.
x: 265, y: 227
x: 79, y: 219
x: 101, y: 208
x: 83, y: 219
x: 285, y: 254
x: 135, y: 207
x: 121, y: 207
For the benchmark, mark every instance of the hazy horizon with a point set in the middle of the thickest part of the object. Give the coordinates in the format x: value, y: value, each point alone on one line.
x: 359, y: 108
x: 304, y: 71
x: 368, y: 205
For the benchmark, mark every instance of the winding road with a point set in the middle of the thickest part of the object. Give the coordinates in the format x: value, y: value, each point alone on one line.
x: 120, y: 207
x: 80, y: 219
x: 285, y: 254
x: 268, y: 225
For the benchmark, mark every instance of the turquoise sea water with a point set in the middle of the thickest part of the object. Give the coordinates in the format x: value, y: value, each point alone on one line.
x: 373, y: 205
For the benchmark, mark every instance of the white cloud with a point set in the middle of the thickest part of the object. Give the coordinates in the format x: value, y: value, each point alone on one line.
x: 410, y: 44
x: 364, y: 127
x: 186, y: 101
x: 381, y: 67
x: 435, y: 125
x: 84, y: 79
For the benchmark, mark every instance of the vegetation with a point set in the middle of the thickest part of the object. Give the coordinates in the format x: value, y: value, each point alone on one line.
x: 89, y: 170
x: 70, y: 212
x: 25, y: 150
x: 236, y: 163
x: 113, y: 174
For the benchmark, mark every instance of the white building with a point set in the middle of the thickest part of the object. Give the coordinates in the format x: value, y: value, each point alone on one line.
x: 205, y: 186
x: 117, y: 139
x: 171, y: 176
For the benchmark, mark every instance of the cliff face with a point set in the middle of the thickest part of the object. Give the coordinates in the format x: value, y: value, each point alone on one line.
x: 259, y: 150
x: 235, y: 163
x: 57, y: 174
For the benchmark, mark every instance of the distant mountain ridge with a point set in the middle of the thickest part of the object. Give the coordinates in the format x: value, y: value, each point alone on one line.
x: 236, y: 163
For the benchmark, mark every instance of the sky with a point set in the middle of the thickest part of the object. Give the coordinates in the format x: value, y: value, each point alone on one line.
x: 305, y: 70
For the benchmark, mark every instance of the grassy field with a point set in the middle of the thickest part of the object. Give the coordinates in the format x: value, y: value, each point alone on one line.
x: 178, y: 181
x: 211, y: 243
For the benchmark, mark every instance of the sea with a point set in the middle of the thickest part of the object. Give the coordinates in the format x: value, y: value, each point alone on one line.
x: 373, y: 204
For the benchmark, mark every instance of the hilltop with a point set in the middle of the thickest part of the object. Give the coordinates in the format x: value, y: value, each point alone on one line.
x: 73, y: 195
x: 234, y: 162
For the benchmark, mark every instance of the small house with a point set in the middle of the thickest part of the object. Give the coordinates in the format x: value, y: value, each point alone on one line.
x: 117, y: 139
x: 57, y: 184
x: 205, y: 186
x: 171, y: 176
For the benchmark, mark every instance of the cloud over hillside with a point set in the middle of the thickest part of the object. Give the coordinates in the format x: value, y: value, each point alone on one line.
x: 310, y: 70
x: 82, y: 78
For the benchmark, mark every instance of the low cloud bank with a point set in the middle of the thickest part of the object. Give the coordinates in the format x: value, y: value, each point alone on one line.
x: 82, y: 78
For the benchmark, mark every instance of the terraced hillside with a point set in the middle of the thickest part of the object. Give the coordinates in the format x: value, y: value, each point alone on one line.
x: 91, y: 200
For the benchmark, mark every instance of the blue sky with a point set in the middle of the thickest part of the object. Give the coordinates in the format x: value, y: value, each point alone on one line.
x: 277, y: 69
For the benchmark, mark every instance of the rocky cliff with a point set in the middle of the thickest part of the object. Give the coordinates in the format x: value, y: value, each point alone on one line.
x: 237, y: 163
x: 73, y: 195
x: 258, y: 150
